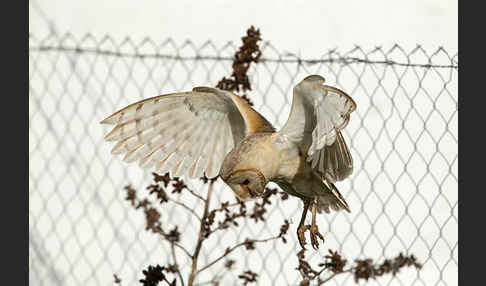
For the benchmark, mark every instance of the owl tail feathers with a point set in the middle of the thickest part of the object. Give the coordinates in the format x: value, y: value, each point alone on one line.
x: 331, y: 199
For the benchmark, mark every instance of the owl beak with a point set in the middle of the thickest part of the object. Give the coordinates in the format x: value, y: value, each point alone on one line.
x: 248, y: 190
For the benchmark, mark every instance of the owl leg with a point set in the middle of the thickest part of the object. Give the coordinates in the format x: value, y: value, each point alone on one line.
x: 302, y: 228
x: 314, y: 230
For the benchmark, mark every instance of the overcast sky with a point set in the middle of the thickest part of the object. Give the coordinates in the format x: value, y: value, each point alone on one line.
x: 306, y: 27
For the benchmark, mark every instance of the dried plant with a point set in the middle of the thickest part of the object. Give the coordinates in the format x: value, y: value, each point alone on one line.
x: 362, y: 269
x: 248, y: 53
x: 117, y: 279
x: 248, y: 277
x: 158, y: 194
x: 166, y: 190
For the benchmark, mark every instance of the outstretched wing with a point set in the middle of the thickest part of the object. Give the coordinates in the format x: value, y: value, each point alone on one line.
x: 184, y: 133
x: 318, y: 113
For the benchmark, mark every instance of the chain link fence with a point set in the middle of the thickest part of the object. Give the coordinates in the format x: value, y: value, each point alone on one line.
x: 403, y: 138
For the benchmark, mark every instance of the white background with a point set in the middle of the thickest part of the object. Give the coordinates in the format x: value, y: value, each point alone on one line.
x: 306, y: 28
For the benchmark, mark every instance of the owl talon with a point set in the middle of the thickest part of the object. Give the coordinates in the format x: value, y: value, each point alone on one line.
x: 314, y: 234
x: 302, y: 227
x: 314, y: 230
x: 301, y: 234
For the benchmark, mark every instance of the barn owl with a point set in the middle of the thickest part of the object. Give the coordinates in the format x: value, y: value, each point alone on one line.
x: 215, y: 132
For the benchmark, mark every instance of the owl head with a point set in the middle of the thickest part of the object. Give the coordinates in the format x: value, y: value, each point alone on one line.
x: 246, y: 183
x: 246, y: 171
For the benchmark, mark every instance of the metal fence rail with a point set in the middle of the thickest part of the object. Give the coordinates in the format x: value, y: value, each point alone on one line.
x: 403, y: 137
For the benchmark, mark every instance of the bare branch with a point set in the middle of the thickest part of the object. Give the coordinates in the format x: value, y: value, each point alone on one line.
x: 229, y: 250
x: 174, y: 257
x: 363, y: 269
x: 186, y: 207
x: 165, y: 236
x: 201, y: 236
x: 227, y: 206
x: 196, y: 195
x: 332, y: 275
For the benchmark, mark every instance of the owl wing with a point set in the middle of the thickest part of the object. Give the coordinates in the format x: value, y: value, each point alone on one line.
x: 318, y: 114
x: 184, y: 133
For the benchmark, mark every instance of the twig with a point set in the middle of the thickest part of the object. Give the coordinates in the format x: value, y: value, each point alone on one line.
x: 213, y: 281
x: 332, y: 276
x: 229, y: 250
x: 205, y: 283
x: 363, y: 269
x: 219, y: 227
x: 186, y: 207
x: 172, y: 249
x: 176, y: 244
x: 183, y: 249
x: 201, y: 236
x: 196, y: 195
x: 210, y: 282
x: 228, y: 206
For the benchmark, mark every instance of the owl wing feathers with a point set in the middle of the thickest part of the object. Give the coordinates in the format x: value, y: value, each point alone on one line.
x: 318, y: 114
x: 336, y: 160
x: 184, y: 133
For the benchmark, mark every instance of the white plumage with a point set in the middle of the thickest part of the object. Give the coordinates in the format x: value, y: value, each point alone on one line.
x: 212, y: 132
x: 181, y: 132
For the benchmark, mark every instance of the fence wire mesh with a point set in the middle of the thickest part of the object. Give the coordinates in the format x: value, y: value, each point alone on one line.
x: 403, y: 137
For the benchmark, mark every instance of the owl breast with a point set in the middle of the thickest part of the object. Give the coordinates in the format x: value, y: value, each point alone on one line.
x: 256, y: 151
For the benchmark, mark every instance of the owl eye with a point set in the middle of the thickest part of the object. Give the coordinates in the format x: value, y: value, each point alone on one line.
x: 246, y: 182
